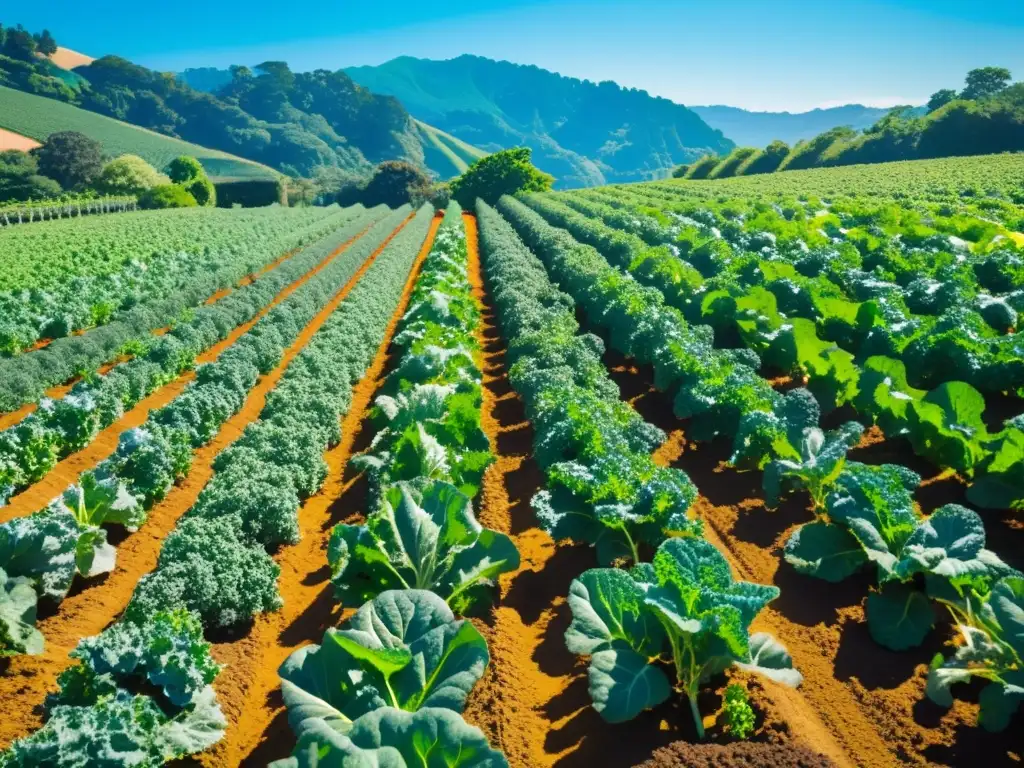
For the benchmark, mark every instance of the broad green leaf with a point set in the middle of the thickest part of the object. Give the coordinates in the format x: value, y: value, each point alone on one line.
x: 825, y: 551
x: 899, y: 616
x: 423, y: 536
x: 623, y: 683
x: 404, y: 649
x: 1000, y: 702
x: 769, y: 658
x: 607, y: 606
x: 18, y: 633
x: 391, y: 738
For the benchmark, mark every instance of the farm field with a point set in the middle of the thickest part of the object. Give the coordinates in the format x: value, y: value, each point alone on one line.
x: 36, y: 117
x: 658, y: 474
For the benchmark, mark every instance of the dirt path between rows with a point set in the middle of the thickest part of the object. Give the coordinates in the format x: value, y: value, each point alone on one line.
x: 93, y: 605
x: 249, y: 689
x: 67, y: 470
x: 11, y: 418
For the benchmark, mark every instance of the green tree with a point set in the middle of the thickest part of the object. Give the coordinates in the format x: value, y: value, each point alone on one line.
x: 941, y: 98
x: 185, y: 169
x: 19, y: 44
x: 985, y: 81
x: 71, y: 158
x: 203, y: 191
x: 395, y: 183
x: 503, y: 173
x: 702, y: 167
x: 129, y: 175
x: 167, y: 196
x: 45, y: 44
x: 20, y: 179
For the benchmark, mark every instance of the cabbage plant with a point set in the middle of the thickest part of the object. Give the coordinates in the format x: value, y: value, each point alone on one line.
x: 670, y: 625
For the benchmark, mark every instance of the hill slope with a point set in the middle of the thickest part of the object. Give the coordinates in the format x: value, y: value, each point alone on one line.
x: 583, y: 133
x: 443, y: 154
x: 37, y: 117
x: 758, y: 129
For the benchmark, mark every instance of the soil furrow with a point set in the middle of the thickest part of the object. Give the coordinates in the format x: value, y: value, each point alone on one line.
x: 93, y: 605
x: 249, y: 689
x: 67, y: 470
x: 11, y: 418
x: 508, y: 703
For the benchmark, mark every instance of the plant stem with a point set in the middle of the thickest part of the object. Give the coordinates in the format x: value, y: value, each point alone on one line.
x: 697, y: 719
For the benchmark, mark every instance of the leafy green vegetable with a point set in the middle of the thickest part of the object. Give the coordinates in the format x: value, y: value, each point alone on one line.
x: 822, y: 459
x: 167, y: 650
x: 423, y: 536
x: 684, y: 610
x: 119, y: 731
x: 18, y: 633
x: 992, y: 649
x: 405, y: 649
x: 737, y: 713
x: 390, y: 738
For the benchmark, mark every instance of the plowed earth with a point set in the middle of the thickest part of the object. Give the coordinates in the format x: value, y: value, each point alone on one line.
x: 93, y: 605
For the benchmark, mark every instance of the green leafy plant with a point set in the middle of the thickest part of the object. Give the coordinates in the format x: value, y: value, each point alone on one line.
x: 992, y: 649
x: 737, y: 714
x: 18, y: 633
x: 427, y: 738
x: 683, y: 613
x: 404, y: 649
x: 422, y: 536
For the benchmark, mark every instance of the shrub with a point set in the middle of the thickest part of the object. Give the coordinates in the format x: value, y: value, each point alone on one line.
x: 185, y: 169
x: 203, y: 191
x: 167, y: 196
x: 71, y: 158
x: 129, y: 175
x: 503, y: 173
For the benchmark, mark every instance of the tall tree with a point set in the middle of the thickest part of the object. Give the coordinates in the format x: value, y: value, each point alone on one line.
x: 941, y: 98
x: 19, y: 44
x: 72, y: 158
x: 985, y: 81
x: 45, y: 44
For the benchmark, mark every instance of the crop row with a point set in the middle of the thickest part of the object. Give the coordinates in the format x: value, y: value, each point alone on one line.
x: 31, y: 448
x: 866, y: 514
x: 944, y: 424
x: 420, y: 558
x: 81, y: 302
x: 643, y: 625
x: 903, y: 290
x: 47, y: 549
x: 71, y: 207
x: 25, y: 377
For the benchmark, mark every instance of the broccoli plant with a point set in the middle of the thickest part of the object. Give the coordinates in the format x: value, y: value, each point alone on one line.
x: 681, y: 614
x: 422, y: 536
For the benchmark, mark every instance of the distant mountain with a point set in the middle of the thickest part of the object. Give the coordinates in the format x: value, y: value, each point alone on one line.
x: 758, y: 129
x: 583, y: 133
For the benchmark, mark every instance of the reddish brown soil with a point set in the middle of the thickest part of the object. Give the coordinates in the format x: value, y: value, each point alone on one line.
x: 682, y: 754
x: 11, y: 418
x: 94, y: 605
x: 249, y: 688
x: 66, y: 471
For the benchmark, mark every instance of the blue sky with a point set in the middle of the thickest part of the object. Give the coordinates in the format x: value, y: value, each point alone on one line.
x: 786, y: 54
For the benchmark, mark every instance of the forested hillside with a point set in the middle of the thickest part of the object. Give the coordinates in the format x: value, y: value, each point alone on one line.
x: 294, y: 122
x: 583, y: 133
